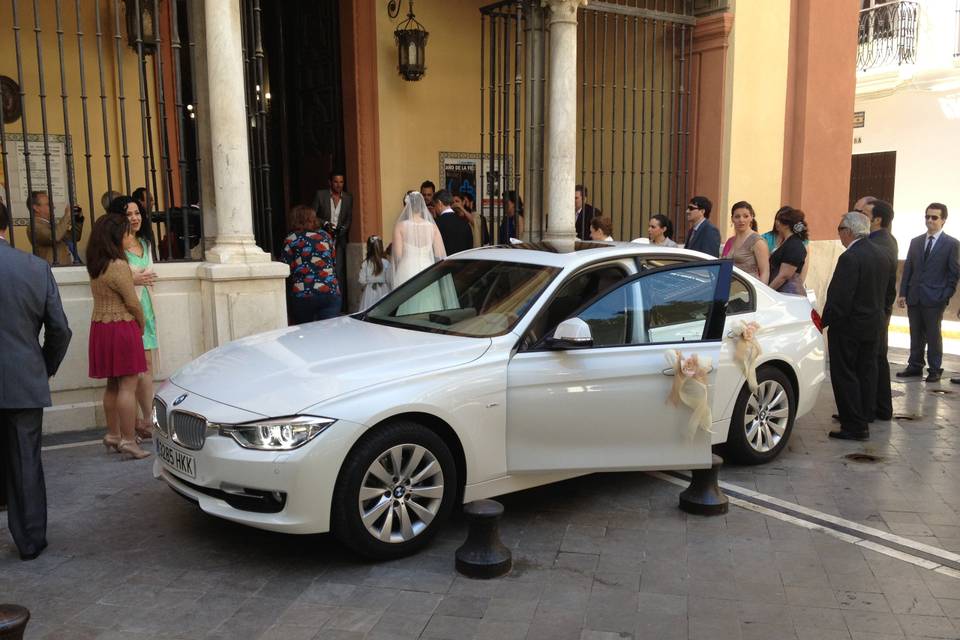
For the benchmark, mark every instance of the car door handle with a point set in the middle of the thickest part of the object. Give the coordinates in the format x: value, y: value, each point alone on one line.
x: 670, y: 372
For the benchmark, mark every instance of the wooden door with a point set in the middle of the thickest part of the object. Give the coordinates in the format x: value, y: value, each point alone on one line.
x: 872, y: 174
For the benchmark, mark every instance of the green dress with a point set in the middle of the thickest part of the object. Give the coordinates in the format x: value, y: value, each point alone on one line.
x: 142, y: 263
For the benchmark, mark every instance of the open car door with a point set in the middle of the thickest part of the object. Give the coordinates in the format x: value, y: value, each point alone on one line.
x: 598, y: 400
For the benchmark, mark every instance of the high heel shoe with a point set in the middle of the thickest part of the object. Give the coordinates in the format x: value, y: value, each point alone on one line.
x: 144, y: 432
x: 111, y: 443
x: 129, y: 448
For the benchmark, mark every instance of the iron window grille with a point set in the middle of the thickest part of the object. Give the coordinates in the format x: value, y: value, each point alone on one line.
x: 887, y: 35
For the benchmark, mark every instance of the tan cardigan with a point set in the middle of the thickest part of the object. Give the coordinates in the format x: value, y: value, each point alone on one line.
x: 114, y: 298
x: 43, y: 239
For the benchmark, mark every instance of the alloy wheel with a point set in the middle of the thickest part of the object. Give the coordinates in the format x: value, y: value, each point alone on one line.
x: 766, y: 416
x: 401, y: 493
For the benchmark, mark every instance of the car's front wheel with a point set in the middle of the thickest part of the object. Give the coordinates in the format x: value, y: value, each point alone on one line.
x: 762, y: 421
x: 395, y: 489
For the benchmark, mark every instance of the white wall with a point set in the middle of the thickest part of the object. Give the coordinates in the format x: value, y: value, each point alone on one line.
x: 923, y: 127
x: 915, y: 110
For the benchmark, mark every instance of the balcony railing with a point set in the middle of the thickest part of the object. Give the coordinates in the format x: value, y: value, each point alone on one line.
x: 888, y: 35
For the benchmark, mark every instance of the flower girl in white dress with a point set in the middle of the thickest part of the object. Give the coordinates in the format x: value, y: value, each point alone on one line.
x: 376, y: 274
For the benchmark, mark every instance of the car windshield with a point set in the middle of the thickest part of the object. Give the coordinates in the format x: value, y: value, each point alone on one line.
x: 475, y: 298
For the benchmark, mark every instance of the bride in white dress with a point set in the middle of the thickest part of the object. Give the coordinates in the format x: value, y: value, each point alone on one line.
x: 417, y: 244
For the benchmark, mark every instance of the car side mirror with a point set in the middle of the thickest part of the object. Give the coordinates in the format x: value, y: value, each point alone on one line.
x: 572, y: 333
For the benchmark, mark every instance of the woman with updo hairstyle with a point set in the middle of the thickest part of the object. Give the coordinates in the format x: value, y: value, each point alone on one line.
x: 787, y: 261
x: 660, y: 231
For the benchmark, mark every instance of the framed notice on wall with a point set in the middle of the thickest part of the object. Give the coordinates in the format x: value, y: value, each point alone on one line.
x: 474, y: 173
x: 21, y: 178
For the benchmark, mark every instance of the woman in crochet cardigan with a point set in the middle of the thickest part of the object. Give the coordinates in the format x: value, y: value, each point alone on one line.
x: 116, y: 332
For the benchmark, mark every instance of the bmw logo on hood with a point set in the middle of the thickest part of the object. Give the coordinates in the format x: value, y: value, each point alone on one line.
x: 179, y: 400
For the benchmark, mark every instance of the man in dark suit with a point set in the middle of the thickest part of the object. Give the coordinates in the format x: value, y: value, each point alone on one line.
x: 854, y: 313
x: 702, y: 236
x: 881, y: 217
x: 585, y: 212
x: 456, y: 232
x: 334, y: 208
x: 30, y: 301
x: 929, y: 280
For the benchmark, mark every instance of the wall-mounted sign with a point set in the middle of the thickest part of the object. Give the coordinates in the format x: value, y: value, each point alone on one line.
x: 18, y: 170
x: 858, y: 119
x: 472, y: 173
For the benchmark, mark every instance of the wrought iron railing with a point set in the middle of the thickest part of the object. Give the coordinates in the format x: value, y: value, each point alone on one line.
x: 888, y: 35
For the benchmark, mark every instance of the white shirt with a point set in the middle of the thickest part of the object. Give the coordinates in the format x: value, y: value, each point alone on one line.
x: 855, y: 241
x: 936, y: 238
x: 335, y: 210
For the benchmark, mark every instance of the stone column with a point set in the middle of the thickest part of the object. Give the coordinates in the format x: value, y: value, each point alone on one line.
x: 242, y: 292
x: 562, y: 119
x: 226, y: 115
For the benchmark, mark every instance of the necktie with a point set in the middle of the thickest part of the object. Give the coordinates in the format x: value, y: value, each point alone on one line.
x: 690, y: 235
x: 926, y: 252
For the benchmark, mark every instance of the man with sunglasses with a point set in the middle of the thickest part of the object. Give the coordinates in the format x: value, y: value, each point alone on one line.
x: 929, y: 280
x: 702, y: 235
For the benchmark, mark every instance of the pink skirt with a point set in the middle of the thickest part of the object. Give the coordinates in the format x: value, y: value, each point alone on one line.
x: 116, y: 349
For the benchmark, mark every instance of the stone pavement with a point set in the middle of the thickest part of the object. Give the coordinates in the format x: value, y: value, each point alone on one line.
x: 600, y: 557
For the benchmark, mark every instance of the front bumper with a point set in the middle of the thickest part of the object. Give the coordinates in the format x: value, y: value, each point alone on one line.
x: 287, y: 491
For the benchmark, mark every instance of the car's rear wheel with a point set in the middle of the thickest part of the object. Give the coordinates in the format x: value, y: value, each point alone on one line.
x: 762, y: 421
x: 395, y: 489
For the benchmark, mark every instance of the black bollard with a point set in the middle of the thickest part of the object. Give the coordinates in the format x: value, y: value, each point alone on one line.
x: 483, y: 555
x: 703, y: 497
x: 13, y: 621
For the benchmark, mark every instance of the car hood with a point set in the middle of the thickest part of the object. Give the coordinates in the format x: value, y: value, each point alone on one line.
x: 282, y: 372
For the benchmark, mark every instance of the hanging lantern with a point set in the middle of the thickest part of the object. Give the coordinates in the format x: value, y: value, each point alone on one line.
x: 411, y: 40
x: 141, y: 21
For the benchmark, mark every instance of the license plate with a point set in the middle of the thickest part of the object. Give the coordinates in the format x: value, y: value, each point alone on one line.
x: 175, y: 459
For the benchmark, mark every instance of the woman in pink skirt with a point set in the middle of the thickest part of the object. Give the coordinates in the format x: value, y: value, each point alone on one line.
x: 116, y: 332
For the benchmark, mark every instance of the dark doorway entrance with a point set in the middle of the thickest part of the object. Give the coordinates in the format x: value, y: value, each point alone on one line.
x: 294, y: 106
x: 872, y: 174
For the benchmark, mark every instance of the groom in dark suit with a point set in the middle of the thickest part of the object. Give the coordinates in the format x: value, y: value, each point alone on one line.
x: 854, y: 313
x: 881, y: 219
x: 334, y: 208
x: 30, y: 301
x: 455, y: 231
x: 702, y: 236
x: 929, y: 280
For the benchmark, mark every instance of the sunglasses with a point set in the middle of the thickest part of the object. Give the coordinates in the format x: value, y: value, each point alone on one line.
x: 692, y: 207
x: 841, y: 228
x: 929, y: 217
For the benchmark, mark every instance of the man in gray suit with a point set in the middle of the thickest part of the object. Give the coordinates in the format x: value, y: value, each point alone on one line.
x: 334, y: 208
x: 30, y: 300
x: 929, y: 280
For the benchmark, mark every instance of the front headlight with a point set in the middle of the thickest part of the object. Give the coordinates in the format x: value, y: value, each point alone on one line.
x: 276, y: 434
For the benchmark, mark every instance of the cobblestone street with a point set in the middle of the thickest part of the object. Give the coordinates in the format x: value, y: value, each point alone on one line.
x: 599, y: 557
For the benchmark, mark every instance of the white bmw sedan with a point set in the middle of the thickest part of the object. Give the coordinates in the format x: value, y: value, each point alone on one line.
x: 493, y: 371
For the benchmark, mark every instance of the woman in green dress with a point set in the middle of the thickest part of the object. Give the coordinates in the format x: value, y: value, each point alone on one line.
x: 139, y: 252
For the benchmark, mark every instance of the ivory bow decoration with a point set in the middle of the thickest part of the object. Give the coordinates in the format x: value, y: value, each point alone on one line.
x: 747, y: 351
x: 690, y: 388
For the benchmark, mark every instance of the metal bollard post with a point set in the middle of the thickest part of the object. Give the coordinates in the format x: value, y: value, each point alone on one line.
x: 483, y: 555
x: 703, y: 497
x: 13, y: 621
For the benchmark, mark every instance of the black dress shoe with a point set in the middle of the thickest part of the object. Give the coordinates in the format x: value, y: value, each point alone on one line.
x: 910, y: 372
x: 842, y: 434
x: 954, y: 380
x: 35, y: 554
x: 886, y: 417
x: 934, y: 376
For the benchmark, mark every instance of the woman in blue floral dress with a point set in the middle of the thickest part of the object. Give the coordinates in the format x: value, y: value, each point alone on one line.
x: 314, y: 291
